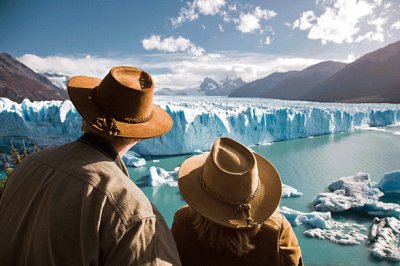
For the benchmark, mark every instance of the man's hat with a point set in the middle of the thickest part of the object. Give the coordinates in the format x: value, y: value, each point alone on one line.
x: 231, y: 185
x: 121, y: 104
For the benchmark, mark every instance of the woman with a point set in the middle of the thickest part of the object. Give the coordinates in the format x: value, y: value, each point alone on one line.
x: 232, y: 217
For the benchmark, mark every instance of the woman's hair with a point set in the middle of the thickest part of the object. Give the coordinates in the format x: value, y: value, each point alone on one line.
x: 117, y: 142
x: 221, y: 238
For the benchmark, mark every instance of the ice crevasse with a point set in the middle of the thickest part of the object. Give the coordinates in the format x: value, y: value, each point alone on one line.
x: 199, y: 121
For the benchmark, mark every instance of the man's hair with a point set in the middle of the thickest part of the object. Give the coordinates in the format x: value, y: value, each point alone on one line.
x: 117, y: 142
x: 221, y: 238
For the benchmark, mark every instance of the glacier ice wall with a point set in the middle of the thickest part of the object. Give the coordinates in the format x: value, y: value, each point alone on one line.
x: 199, y: 120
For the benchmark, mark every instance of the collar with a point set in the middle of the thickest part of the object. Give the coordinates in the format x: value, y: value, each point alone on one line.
x: 104, y: 147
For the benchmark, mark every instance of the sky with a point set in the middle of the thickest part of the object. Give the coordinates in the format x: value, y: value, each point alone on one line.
x: 182, y: 42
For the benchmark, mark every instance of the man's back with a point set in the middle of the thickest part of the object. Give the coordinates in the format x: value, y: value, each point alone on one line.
x: 73, y: 205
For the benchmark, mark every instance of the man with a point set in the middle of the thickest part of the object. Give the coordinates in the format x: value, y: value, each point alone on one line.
x: 75, y: 204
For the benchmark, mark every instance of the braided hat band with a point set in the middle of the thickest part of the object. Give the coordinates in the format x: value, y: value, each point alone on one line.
x: 238, y: 206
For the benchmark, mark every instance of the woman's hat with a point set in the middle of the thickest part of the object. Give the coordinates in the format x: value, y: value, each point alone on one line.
x: 121, y: 104
x: 231, y: 185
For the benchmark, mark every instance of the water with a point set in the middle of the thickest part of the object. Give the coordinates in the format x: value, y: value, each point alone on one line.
x: 308, y: 165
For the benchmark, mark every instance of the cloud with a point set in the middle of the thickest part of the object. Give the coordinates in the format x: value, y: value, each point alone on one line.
x: 171, y: 44
x: 175, y: 70
x: 73, y: 65
x: 250, y: 22
x: 267, y: 40
x: 396, y: 25
x: 197, y: 7
x: 346, y: 21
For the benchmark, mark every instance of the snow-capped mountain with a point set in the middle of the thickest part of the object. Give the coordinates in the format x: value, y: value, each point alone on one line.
x: 59, y: 80
x: 208, y: 87
x: 18, y: 82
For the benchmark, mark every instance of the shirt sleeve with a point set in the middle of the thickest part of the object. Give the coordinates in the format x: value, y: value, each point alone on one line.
x: 289, y: 249
x: 147, y: 242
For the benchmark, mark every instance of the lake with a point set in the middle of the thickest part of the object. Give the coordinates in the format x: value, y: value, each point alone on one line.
x: 309, y: 165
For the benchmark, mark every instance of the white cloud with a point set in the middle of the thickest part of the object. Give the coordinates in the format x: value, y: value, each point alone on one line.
x: 396, y: 25
x: 175, y: 71
x: 197, y: 7
x: 250, y: 22
x: 345, y: 21
x: 171, y: 44
x: 267, y: 40
x: 305, y: 21
x: 72, y: 65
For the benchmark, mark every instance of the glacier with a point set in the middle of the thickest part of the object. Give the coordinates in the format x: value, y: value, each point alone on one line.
x: 198, y: 121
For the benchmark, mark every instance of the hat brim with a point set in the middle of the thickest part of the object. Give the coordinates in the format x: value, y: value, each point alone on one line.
x: 262, y: 206
x: 81, y: 89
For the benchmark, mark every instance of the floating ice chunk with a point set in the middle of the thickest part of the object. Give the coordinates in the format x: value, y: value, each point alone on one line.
x: 382, y: 209
x: 131, y: 158
x: 158, y: 176
x: 390, y: 183
x: 340, y: 233
x: 198, y: 152
x: 349, y: 192
x: 384, y: 238
x: 288, y: 192
x: 315, y: 219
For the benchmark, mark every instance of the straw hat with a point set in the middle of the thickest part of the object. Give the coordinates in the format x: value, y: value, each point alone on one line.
x: 231, y: 185
x: 121, y: 104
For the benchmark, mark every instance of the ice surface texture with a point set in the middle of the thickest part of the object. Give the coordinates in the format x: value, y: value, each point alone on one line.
x: 384, y: 238
x: 390, y: 183
x: 198, y: 121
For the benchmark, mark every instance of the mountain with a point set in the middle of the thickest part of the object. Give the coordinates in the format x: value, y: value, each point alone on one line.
x: 292, y: 85
x: 226, y: 86
x: 208, y: 87
x: 57, y: 79
x: 375, y: 77
x: 299, y: 86
x: 17, y: 82
x: 258, y: 87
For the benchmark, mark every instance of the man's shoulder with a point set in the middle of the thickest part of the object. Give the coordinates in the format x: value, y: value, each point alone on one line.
x: 93, y: 168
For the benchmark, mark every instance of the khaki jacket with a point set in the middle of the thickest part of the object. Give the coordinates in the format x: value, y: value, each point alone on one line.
x: 75, y: 205
x: 275, y: 244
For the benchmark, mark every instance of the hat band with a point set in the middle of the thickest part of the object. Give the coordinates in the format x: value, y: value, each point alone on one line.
x: 242, y: 205
x: 108, y: 123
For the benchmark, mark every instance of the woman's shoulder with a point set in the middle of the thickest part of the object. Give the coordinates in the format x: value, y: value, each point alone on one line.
x: 275, y: 222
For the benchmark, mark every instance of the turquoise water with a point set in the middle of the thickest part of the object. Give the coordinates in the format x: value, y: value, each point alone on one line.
x: 308, y: 165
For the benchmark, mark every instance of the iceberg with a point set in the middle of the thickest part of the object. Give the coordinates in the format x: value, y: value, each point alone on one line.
x: 390, y: 183
x: 315, y: 219
x: 351, y: 192
x: 132, y: 159
x: 158, y: 177
x: 325, y: 227
x: 340, y: 233
x: 357, y: 193
x: 198, y: 121
x: 384, y: 239
x: 290, y: 192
